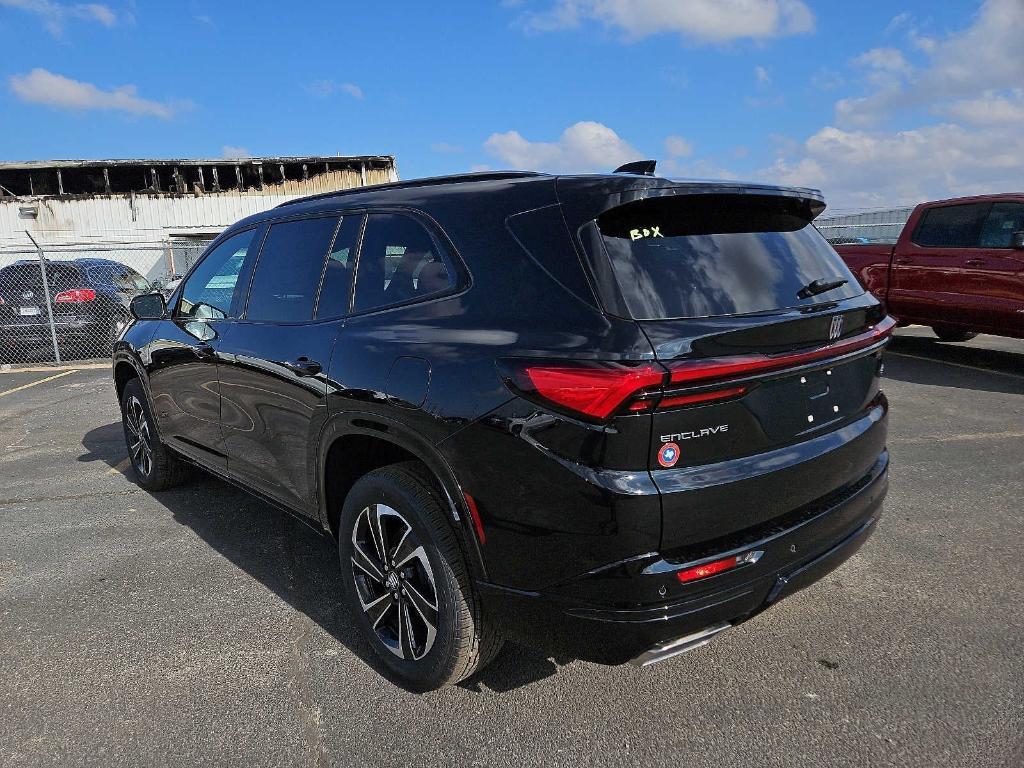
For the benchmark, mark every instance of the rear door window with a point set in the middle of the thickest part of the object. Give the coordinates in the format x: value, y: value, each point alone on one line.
x: 336, y: 288
x: 288, y: 272
x: 399, y: 262
x: 712, y: 255
x: 951, y: 226
x: 1002, y: 221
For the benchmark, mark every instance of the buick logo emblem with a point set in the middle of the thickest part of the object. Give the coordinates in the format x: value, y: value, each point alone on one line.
x: 835, y: 330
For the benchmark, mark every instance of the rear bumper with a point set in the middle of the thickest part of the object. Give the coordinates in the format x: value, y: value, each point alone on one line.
x: 794, y: 558
x: 39, y: 333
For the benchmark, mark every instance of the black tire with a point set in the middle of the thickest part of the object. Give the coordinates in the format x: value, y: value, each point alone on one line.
x: 156, y: 468
x: 414, y: 519
x: 947, y: 333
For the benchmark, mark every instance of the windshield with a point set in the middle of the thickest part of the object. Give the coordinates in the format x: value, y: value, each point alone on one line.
x: 679, y: 257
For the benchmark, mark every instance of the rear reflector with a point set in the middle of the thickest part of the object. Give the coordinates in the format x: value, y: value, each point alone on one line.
x: 717, y: 566
x: 475, y: 514
x: 75, y: 296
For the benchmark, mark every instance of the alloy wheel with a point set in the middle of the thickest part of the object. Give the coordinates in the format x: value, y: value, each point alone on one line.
x: 394, y: 582
x: 140, y: 445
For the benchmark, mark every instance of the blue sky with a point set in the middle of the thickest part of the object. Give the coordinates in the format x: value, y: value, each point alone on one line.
x: 877, y: 103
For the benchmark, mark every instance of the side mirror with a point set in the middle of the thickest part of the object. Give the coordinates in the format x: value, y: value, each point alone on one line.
x: 148, y: 306
x: 1017, y: 240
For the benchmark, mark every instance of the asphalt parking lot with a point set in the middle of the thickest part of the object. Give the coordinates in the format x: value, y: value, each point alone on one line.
x: 201, y: 626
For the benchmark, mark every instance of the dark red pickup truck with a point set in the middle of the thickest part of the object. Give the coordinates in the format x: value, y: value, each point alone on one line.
x: 958, y: 266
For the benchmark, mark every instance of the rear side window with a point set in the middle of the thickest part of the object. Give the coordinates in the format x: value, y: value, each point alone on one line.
x: 287, y: 274
x: 212, y: 288
x: 711, y: 255
x: 951, y: 226
x: 340, y: 268
x: 400, y: 261
x: 121, y: 278
x: 1002, y: 221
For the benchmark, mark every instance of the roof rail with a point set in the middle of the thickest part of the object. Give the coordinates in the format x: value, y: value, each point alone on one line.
x: 425, y: 182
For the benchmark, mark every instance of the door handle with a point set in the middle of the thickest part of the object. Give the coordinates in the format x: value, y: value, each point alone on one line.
x: 974, y: 262
x: 303, y: 366
x: 903, y: 260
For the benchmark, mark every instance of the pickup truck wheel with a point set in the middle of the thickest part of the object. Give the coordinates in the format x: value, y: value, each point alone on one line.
x: 946, y: 333
x: 406, y: 583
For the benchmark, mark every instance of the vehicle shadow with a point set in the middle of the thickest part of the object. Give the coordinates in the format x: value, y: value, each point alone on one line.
x: 291, y: 558
x: 918, y: 360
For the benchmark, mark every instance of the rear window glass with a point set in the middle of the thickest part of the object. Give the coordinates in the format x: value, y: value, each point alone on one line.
x: 951, y: 226
x: 716, y: 255
x: 25, y: 277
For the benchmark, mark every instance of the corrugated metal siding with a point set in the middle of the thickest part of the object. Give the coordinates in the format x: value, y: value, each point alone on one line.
x: 874, y: 225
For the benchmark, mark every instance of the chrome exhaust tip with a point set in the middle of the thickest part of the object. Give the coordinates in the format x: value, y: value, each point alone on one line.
x: 670, y: 648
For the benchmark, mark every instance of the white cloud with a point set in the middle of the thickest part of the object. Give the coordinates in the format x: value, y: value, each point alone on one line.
x: 55, y: 15
x: 585, y: 146
x: 884, y: 59
x: 229, y: 152
x: 326, y: 88
x: 352, y: 90
x: 871, y: 156
x: 41, y: 86
x: 762, y: 76
x: 712, y: 21
x: 988, y: 109
x: 677, y: 146
x: 864, y: 168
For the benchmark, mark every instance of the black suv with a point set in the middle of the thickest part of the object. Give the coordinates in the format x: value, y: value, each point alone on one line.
x: 609, y: 416
x: 89, y: 299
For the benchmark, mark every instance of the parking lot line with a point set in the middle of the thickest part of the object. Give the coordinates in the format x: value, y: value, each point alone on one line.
x: 78, y: 366
x: 957, y: 365
x: 34, y: 383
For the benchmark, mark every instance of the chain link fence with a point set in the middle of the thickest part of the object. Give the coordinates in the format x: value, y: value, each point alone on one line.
x: 62, y: 302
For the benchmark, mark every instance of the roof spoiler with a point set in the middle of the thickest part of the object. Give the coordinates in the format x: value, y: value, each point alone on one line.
x: 641, y: 167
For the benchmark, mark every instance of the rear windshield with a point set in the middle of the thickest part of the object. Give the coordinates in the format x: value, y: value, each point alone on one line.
x: 708, y: 255
x: 60, y: 277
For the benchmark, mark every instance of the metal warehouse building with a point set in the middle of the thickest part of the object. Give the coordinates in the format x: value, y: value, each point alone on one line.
x: 156, y: 215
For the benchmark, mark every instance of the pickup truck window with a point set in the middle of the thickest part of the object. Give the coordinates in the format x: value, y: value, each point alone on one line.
x: 951, y: 226
x: 1002, y: 221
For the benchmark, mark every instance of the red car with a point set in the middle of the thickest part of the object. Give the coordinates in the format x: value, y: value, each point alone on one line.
x: 958, y: 267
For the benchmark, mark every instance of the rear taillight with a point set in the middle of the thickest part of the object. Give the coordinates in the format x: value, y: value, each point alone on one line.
x: 75, y: 296
x: 599, y: 390
x: 592, y: 389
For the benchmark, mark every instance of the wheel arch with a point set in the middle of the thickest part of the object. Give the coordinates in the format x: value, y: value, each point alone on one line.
x: 379, y: 441
x: 125, y: 369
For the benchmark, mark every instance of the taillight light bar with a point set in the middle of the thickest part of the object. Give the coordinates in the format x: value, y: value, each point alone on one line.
x: 75, y: 296
x: 598, y: 390
x: 717, y: 368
